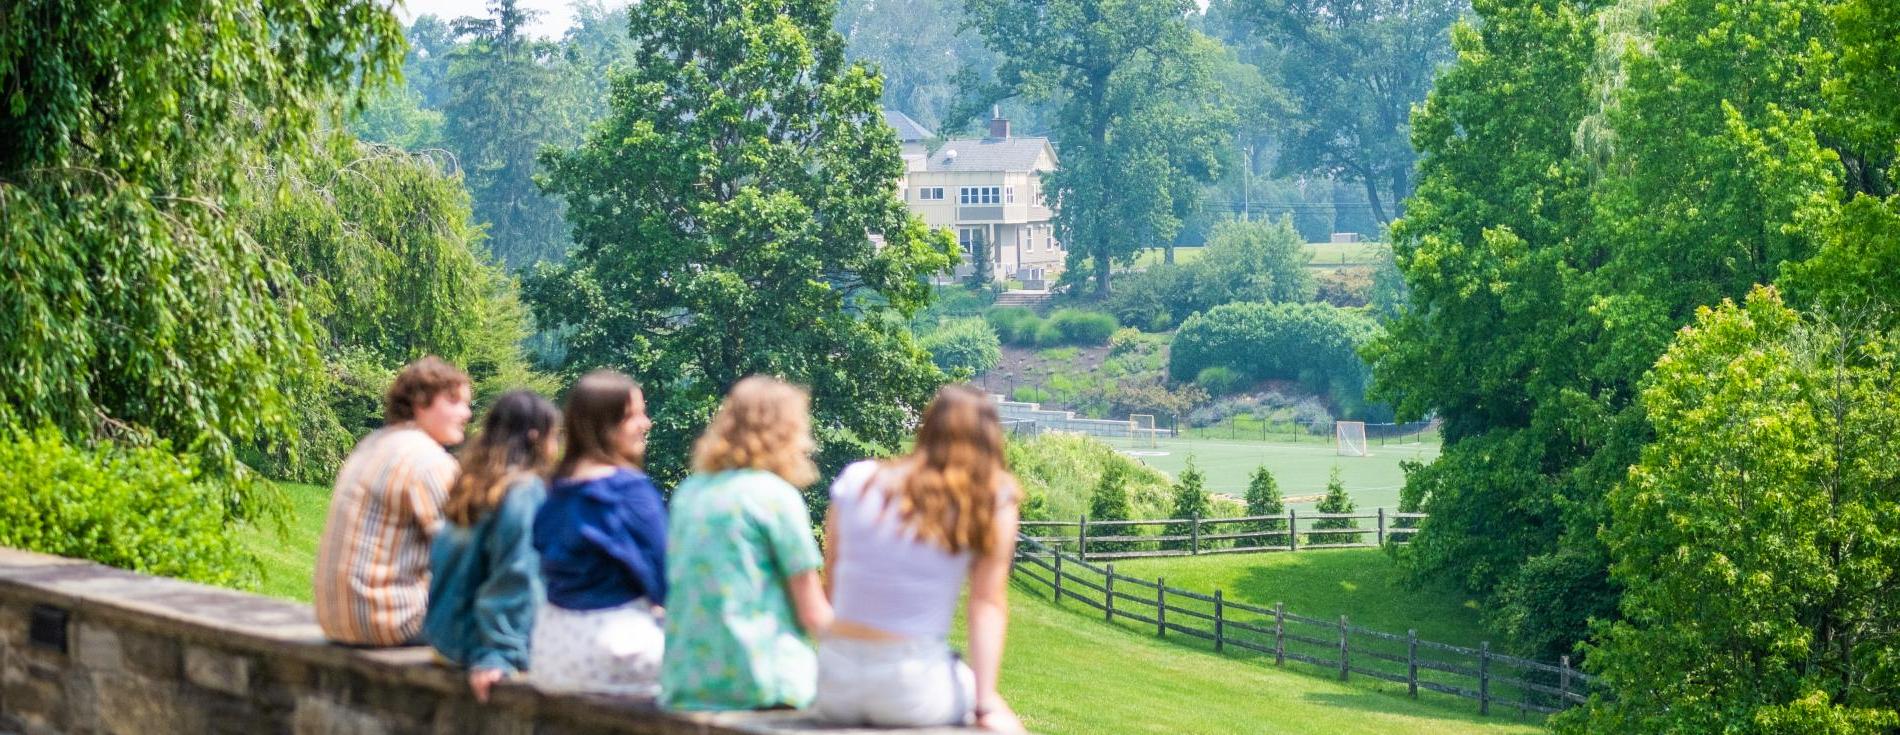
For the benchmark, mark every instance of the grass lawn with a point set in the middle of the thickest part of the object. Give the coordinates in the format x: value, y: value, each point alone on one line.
x: 1363, y: 584
x: 288, y: 559
x: 1336, y: 254
x: 1301, y: 467
x: 1068, y: 672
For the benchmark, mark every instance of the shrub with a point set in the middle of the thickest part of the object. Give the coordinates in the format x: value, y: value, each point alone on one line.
x: 1264, y: 499
x: 1048, y: 335
x: 1316, y: 344
x: 138, y: 508
x: 1221, y: 380
x: 1014, y: 325
x: 1079, y: 327
x: 1336, y: 501
x: 1068, y: 467
x: 963, y: 346
x: 1029, y: 394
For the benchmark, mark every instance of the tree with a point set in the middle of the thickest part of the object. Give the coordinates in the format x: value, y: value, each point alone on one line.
x: 982, y: 267
x: 724, y: 215
x: 1138, y: 113
x: 136, y: 308
x: 1754, y: 539
x: 1263, y: 499
x: 1354, y: 70
x: 507, y: 100
x: 1190, y: 500
x: 1109, y: 502
x: 1627, y: 164
x: 1336, y: 501
x: 919, y: 48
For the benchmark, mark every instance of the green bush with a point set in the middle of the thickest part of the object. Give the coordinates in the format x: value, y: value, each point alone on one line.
x: 1014, y: 325
x: 1221, y: 380
x: 1066, y: 469
x: 138, y: 508
x: 1049, y: 335
x: 1029, y: 394
x: 1243, y: 262
x: 963, y: 346
x: 1079, y: 327
x: 1316, y: 344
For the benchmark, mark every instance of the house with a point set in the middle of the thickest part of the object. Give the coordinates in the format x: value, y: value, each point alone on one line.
x: 989, y: 191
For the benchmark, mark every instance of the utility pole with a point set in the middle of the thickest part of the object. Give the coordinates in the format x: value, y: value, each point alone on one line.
x: 1246, y: 187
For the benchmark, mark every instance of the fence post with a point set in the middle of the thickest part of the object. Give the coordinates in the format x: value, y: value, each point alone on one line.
x: 1082, y: 538
x: 1484, y: 678
x: 1345, y: 650
x: 1382, y: 527
x: 1161, y: 606
x: 1279, y: 634
x: 1220, y: 626
x: 1292, y: 532
x: 1057, y: 553
x: 1194, y: 540
x: 1411, y: 662
x: 1563, y: 673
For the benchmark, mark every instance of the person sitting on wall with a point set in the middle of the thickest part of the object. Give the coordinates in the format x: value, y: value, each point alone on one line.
x: 372, y: 576
x: 741, y: 562
x: 485, y: 581
x: 602, y: 539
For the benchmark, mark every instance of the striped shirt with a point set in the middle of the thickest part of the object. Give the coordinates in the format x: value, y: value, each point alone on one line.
x: 372, y: 578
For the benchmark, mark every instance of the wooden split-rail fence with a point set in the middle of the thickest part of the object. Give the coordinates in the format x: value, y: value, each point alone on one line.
x: 1493, y: 679
x: 1193, y: 536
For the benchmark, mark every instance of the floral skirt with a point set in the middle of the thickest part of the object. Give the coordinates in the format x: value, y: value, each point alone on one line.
x: 613, y: 650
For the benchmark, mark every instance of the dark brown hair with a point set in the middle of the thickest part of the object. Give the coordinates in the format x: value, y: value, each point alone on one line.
x: 513, y: 444
x: 953, y: 479
x: 417, y: 386
x: 595, y: 408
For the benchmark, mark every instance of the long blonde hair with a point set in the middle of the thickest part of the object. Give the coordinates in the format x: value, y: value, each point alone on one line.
x: 764, y: 424
x: 953, y: 480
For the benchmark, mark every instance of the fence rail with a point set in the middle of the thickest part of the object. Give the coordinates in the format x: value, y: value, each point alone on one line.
x: 1190, y: 536
x: 1344, y: 649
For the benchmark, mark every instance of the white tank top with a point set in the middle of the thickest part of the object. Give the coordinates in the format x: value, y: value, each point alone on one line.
x: 885, y: 577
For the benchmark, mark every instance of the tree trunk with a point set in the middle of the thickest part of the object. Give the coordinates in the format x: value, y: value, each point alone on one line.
x: 1372, y: 197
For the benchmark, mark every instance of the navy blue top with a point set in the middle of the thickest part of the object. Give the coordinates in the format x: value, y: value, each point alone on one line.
x: 603, y: 542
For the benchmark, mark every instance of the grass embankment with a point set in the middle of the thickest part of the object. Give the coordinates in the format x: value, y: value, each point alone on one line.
x: 1067, y: 672
x: 1363, y: 584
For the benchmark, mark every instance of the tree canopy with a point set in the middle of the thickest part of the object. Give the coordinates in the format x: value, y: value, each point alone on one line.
x: 736, y: 213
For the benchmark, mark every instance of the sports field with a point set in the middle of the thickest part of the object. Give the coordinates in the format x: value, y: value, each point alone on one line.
x: 1301, y: 467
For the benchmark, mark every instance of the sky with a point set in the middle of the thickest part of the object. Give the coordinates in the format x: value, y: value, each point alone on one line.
x: 556, y: 15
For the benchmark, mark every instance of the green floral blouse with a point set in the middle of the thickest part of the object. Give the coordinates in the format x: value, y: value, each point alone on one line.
x: 732, y: 637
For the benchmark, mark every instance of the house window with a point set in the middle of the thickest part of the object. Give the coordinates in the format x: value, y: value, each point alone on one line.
x: 967, y: 239
x: 980, y: 195
x: 1009, y: 195
x: 930, y: 193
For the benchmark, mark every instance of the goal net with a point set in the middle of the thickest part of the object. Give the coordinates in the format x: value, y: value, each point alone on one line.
x: 1351, y: 438
x: 1141, y: 430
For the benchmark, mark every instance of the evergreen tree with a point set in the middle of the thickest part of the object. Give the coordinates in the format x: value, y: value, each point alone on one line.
x: 724, y: 216
x: 1336, y: 501
x: 1263, y: 499
x: 982, y: 267
x: 1190, y: 501
x: 1109, y: 502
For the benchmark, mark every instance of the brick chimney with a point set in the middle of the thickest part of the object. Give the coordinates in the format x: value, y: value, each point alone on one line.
x: 999, y: 125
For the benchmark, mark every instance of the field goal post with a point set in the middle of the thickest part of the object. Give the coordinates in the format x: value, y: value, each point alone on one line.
x: 1141, y: 430
x: 1350, y: 437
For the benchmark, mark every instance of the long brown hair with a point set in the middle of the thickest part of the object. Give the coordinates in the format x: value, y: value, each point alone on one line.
x: 764, y: 424
x: 594, y: 410
x: 513, y: 443
x: 954, y: 478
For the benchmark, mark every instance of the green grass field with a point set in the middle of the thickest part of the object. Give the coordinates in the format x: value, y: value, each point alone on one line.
x: 1067, y: 672
x: 1301, y: 467
x: 1363, y: 584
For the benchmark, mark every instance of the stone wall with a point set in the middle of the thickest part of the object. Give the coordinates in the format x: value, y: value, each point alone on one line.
x: 86, y: 648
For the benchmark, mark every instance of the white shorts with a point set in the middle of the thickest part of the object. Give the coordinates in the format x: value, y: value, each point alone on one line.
x: 613, y: 650
x: 893, y: 683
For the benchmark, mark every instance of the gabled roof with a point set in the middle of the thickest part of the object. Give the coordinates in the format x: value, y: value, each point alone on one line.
x: 987, y: 154
x: 908, y: 129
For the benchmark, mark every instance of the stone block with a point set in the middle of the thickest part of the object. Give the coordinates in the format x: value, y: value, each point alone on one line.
x: 134, y: 705
x: 218, y: 671
x: 150, y: 655
x: 320, y: 716
x: 97, y: 647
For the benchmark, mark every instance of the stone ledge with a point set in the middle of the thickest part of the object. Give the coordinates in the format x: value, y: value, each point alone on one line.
x: 148, y: 654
